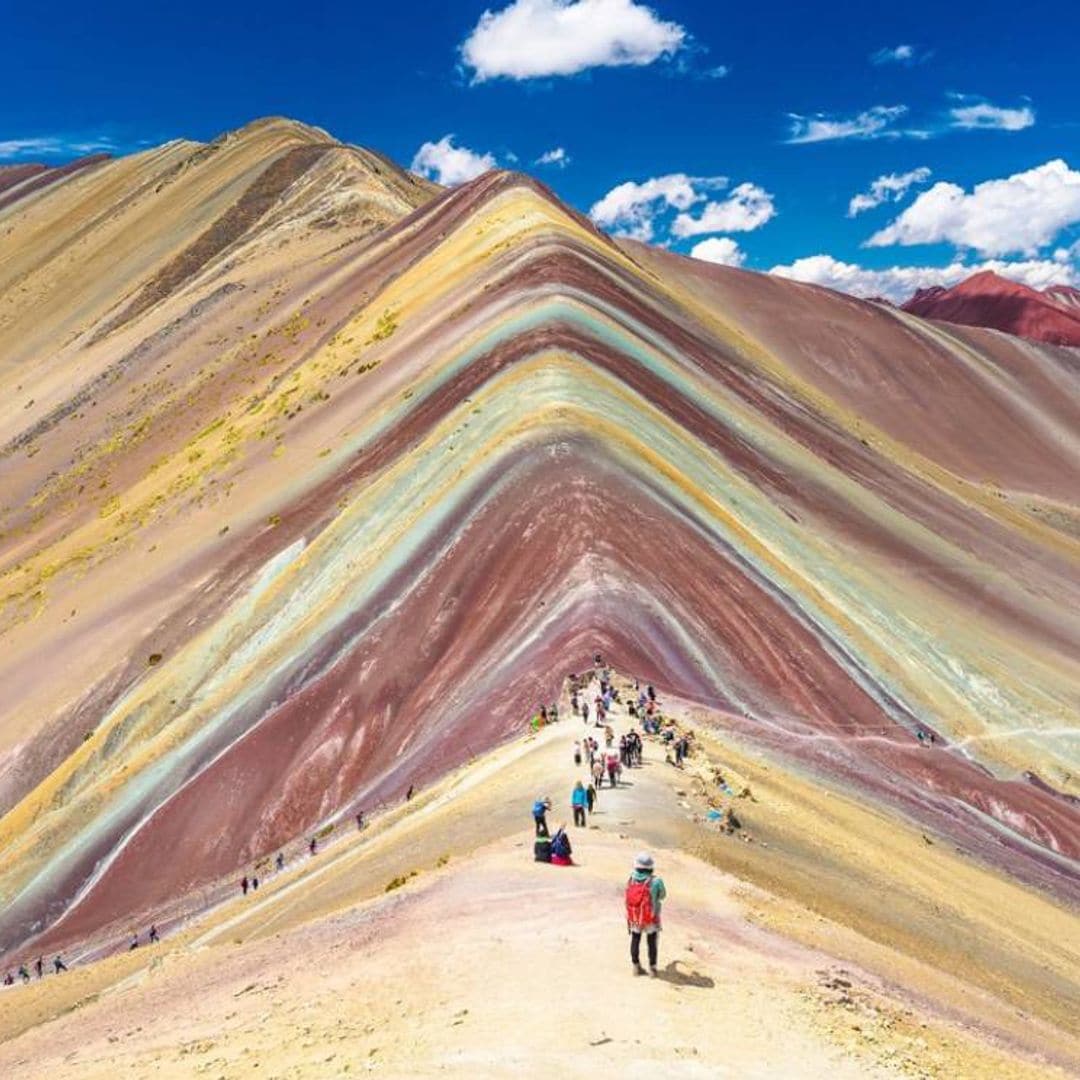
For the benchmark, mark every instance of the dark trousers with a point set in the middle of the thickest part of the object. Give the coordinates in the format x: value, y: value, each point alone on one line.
x: 635, y: 946
x: 579, y: 816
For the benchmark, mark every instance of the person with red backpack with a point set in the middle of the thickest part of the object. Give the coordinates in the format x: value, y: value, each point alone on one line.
x: 645, y: 893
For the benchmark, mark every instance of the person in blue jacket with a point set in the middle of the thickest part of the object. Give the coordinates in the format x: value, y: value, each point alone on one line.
x: 578, y: 801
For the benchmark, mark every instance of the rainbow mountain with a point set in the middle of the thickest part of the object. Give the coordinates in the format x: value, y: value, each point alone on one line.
x: 316, y: 480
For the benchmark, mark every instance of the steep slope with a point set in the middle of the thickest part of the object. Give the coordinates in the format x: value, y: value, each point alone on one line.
x: 985, y: 299
x: 298, y: 516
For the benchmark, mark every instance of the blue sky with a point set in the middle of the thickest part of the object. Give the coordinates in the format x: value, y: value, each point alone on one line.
x: 684, y: 94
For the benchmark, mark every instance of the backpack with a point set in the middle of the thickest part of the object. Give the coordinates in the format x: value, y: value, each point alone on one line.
x: 560, y: 845
x: 542, y: 849
x: 639, y: 910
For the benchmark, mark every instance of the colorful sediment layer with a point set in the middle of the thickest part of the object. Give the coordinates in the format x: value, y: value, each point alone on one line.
x: 315, y: 480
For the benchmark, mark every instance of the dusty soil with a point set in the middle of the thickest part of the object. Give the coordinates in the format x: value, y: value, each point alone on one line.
x: 479, y: 960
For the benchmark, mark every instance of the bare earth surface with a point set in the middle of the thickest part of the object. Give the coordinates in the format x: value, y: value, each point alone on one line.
x: 487, y: 964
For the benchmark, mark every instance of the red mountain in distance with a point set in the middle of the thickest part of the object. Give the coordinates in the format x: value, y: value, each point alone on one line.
x: 986, y: 299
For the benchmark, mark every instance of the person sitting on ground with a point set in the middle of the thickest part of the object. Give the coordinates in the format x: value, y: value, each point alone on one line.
x: 645, y: 893
x: 59, y: 965
x: 539, y: 811
x: 578, y: 800
x: 542, y: 848
x: 561, y: 849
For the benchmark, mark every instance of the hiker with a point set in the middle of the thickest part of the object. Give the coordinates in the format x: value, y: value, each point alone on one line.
x: 575, y: 704
x: 39, y: 966
x: 9, y: 979
x: 561, y: 849
x: 577, y: 753
x: 651, y: 692
x: 539, y: 810
x: 645, y: 893
x: 612, y: 768
x: 23, y: 973
x: 359, y: 820
x: 409, y: 793
x: 313, y: 846
x: 244, y: 884
x: 280, y: 860
x: 59, y: 965
x: 254, y: 883
x: 598, y: 772
x: 590, y: 797
x: 542, y: 848
x: 680, y: 750
x: 578, y: 801
x: 585, y: 711
x: 134, y: 943
x: 153, y: 934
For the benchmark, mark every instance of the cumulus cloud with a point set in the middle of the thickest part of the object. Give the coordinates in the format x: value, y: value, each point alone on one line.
x: 631, y: 209
x: 448, y: 164
x: 53, y: 146
x: 1020, y: 213
x: 532, y: 39
x: 891, y: 187
x: 719, y: 249
x: 986, y: 117
x: 748, y: 207
x: 873, y: 123
x: 557, y: 157
x: 898, y: 283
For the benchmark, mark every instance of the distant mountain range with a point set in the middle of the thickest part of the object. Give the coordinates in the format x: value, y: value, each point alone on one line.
x: 989, y: 300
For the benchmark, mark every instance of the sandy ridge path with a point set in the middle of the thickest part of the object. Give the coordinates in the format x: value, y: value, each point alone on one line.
x: 493, y: 965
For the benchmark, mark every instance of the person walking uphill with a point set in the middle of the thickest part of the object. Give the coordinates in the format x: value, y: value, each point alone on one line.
x: 645, y: 893
x: 578, y: 802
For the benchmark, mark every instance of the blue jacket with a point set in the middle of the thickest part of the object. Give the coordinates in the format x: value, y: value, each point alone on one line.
x: 578, y: 797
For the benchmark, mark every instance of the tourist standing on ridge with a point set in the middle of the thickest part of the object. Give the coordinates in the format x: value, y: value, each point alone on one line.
x: 539, y: 811
x: 578, y: 801
x: 280, y: 860
x: 645, y: 893
x: 39, y: 966
x: 314, y: 845
x: 23, y: 973
x: 244, y: 884
x: 154, y: 939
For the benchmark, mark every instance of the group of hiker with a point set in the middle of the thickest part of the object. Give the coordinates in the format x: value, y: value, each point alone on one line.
x: 39, y: 967
x: 645, y: 891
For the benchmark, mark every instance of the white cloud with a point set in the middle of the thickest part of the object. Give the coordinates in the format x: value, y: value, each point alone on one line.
x: 531, y: 39
x: 748, y: 207
x: 984, y: 116
x: 873, y: 123
x: 1020, y: 213
x: 899, y: 54
x: 721, y: 71
x: 53, y: 146
x: 631, y: 209
x: 449, y: 164
x: 898, y: 283
x: 719, y: 249
x: 557, y: 156
x: 891, y: 187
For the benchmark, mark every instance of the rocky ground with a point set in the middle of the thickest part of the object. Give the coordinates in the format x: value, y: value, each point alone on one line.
x: 431, y: 943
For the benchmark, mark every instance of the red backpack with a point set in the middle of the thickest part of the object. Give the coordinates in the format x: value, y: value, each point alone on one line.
x: 639, y: 911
